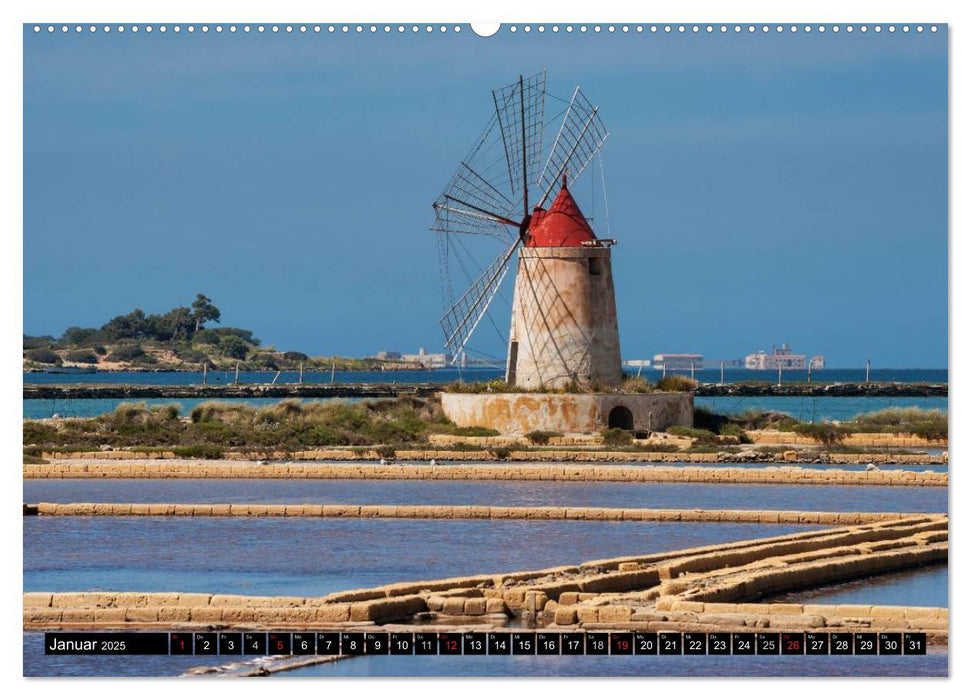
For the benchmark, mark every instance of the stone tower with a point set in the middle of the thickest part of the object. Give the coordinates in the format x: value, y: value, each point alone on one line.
x: 564, y: 318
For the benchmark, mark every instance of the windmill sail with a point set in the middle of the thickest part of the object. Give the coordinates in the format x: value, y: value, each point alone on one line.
x: 460, y: 321
x: 519, y: 111
x: 489, y: 199
x: 581, y: 135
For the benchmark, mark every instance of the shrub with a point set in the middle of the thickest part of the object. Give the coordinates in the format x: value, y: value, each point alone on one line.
x: 385, y: 451
x: 85, y: 356
x: 615, y: 437
x: 826, y: 433
x: 706, y: 419
x: 203, y: 451
x: 233, y: 347
x: 500, y: 452
x: 676, y: 382
x: 294, y: 356
x: 695, y: 433
x: 37, y: 341
x: 931, y: 424
x: 735, y: 430
x: 542, y: 437
x: 45, y: 356
x: 636, y: 385
x: 100, y: 350
x: 126, y: 353
x: 473, y: 431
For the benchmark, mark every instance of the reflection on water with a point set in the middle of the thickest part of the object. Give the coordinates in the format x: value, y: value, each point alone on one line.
x: 497, y: 493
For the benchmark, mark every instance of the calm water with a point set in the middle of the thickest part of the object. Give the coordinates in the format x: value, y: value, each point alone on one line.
x: 309, y: 556
x: 818, y: 408
x: 934, y: 664
x: 925, y: 586
x: 498, y: 493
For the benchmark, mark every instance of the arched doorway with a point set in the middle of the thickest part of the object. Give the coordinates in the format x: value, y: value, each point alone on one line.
x: 620, y: 417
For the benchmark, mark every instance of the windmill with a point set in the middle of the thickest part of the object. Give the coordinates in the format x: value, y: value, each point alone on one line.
x: 513, y: 195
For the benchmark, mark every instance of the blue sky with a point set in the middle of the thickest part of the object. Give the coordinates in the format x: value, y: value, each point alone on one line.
x: 762, y: 188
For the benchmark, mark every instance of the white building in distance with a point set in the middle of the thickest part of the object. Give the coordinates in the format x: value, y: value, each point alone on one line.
x: 782, y: 358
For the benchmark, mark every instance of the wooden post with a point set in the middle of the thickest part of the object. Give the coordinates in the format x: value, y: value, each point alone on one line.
x: 868, y: 370
x: 723, y: 373
x: 780, y: 375
x: 205, y: 366
x: 333, y: 370
x: 300, y: 381
x: 236, y: 379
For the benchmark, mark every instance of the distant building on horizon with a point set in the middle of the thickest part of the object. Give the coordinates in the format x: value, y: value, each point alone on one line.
x: 782, y: 358
x: 676, y: 361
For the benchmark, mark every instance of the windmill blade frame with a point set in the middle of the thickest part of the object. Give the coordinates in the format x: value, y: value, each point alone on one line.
x: 461, y: 320
x: 581, y: 136
x: 520, y: 107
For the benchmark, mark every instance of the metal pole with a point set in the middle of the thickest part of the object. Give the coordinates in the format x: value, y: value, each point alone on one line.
x: 205, y: 365
x: 333, y: 370
x: 236, y: 380
x: 723, y: 373
x: 780, y: 375
x: 300, y: 381
x: 868, y: 370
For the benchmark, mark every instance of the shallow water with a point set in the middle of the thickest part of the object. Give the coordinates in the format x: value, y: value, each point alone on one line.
x: 311, y: 556
x: 923, y: 587
x: 497, y: 493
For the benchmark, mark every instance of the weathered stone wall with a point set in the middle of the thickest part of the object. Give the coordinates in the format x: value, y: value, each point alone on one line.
x: 564, y: 319
x: 450, y: 512
x: 516, y: 414
x: 777, y: 437
x: 173, y: 469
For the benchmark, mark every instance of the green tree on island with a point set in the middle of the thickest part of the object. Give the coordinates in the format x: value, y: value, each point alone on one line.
x: 204, y: 310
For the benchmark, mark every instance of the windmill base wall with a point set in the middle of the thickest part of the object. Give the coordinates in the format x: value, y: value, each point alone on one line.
x: 517, y: 414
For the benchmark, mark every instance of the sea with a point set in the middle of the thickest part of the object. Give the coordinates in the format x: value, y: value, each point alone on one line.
x: 803, y: 408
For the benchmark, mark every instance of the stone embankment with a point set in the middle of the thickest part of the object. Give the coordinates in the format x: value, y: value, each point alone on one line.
x: 164, y: 391
x: 445, y: 512
x: 778, y: 437
x: 758, y: 437
x: 707, y: 588
x: 831, y: 389
x: 230, y: 391
x: 533, y: 455
x: 226, y: 469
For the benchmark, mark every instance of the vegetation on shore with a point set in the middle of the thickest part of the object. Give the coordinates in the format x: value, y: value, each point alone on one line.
x: 629, y: 385
x: 177, y: 340
x: 216, y: 427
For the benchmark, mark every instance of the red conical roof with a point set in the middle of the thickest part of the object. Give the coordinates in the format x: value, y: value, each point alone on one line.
x: 562, y: 225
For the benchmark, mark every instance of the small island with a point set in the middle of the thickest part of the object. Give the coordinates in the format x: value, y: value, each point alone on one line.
x: 178, y: 340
